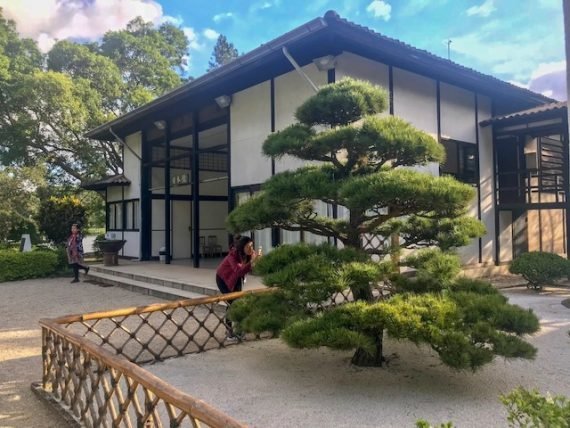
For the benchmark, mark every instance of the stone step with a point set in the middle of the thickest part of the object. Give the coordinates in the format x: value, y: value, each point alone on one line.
x: 155, y: 290
x: 167, y: 283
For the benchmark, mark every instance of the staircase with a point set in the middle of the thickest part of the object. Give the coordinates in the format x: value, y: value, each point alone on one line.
x: 168, y: 289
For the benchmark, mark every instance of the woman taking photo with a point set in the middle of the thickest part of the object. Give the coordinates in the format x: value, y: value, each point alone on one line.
x: 231, y: 272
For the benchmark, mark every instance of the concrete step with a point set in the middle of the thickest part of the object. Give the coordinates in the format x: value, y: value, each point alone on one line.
x: 167, y: 283
x: 155, y: 290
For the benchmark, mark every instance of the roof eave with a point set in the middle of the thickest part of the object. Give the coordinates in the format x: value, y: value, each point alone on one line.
x: 251, y: 57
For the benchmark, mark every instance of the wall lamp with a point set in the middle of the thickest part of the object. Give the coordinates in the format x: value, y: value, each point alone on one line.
x: 325, y: 62
x: 223, y: 101
x: 160, y: 124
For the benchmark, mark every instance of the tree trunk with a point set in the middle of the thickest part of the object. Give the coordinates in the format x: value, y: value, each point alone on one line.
x: 362, y: 358
x: 362, y: 293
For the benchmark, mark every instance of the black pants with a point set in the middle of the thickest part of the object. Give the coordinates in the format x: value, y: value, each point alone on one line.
x: 76, y: 267
x: 223, y: 287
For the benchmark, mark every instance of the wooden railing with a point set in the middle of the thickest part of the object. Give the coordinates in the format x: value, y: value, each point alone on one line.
x: 90, y: 362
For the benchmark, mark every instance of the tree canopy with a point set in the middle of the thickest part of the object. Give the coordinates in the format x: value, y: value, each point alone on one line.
x: 366, y: 166
x: 223, y: 53
x: 49, y: 102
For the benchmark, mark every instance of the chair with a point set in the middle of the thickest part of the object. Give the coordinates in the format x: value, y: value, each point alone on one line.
x: 204, y: 249
x: 213, y: 245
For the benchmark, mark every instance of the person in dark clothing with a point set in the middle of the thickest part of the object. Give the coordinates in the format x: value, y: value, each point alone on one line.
x: 75, y: 252
x: 231, y: 272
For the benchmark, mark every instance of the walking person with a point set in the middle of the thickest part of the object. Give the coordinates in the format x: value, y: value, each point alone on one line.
x: 231, y: 272
x: 75, y: 252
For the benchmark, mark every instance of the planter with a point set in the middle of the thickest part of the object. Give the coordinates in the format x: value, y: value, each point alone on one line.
x: 110, y: 249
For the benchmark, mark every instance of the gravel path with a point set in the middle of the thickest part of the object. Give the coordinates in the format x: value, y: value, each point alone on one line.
x: 267, y: 384
x: 22, y: 305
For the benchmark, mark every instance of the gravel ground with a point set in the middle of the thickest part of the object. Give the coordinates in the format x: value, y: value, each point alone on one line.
x: 22, y: 305
x: 267, y: 384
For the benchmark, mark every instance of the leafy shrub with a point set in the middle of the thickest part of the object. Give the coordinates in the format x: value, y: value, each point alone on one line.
x: 56, y: 215
x: 34, y: 264
x: 528, y: 409
x: 531, y: 409
x: 540, y: 268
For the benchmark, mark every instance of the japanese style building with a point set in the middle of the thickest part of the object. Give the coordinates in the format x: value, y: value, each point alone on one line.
x: 191, y: 155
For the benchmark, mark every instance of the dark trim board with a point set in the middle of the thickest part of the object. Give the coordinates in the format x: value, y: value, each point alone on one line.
x: 167, y: 200
x: 195, y: 189
x: 480, y: 240
x: 391, y: 89
x: 213, y: 198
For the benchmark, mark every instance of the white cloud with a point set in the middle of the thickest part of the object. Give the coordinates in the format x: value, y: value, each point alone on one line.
x: 49, y: 20
x: 260, y: 6
x: 413, y: 7
x: 175, y: 20
x: 379, y: 9
x: 210, y: 34
x: 519, y: 84
x: 221, y: 16
x: 483, y: 10
x: 548, y: 68
x: 193, y: 42
x: 548, y: 79
x: 514, y: 57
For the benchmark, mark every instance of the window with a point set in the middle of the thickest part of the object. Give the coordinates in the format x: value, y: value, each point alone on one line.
x: 123, y: 215
x: 115, y: 216
x: 461, y: 161
x: 132, y: 215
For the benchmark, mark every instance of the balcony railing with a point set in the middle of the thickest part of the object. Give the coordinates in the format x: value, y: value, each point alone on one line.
x: 530, y: 186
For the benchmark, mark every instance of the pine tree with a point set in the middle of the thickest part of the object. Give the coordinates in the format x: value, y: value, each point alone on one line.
x: 223, y: 53
x: 364, y: 165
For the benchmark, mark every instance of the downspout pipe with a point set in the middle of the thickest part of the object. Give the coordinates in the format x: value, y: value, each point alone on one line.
x: 122, y: 143
x: 299, y: 69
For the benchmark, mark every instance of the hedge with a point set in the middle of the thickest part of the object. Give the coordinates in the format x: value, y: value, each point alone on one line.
x: 540, y: 268
x: 34, y: 264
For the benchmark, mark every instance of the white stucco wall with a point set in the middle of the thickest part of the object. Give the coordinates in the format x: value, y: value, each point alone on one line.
x: 457, y: 113
x: 250, y: 117
x: 291, y: 90
x: 115, y: 193
x: 357, y: 67
x: 132, y: 166
x: 415, y: 100
x: 181, y: 238
x: 486, y: 180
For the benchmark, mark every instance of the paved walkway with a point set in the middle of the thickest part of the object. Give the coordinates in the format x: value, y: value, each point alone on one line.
x: 22, y: 305
x: 181, y: 271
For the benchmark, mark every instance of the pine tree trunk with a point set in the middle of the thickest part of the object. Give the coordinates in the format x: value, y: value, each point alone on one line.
x: 362, y: 358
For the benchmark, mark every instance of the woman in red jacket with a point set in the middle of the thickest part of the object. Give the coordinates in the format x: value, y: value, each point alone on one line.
x: 231, y: 273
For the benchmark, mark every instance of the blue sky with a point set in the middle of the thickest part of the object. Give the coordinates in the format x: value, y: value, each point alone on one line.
x: 518, y: 41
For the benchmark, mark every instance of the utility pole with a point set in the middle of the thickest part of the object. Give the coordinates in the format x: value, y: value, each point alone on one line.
x: 448, y: 49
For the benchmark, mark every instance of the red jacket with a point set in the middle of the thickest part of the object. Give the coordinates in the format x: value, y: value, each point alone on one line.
x: 233, y: 268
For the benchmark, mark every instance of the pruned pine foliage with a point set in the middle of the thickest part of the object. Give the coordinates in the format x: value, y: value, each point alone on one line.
x: 364, y: 163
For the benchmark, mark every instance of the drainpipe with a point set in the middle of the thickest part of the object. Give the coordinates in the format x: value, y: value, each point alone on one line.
x: 122, y: 143
x: 299, y: 69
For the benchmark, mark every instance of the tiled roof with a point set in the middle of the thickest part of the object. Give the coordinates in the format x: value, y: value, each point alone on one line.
x: 540, y: 110
x: 330, y: 22
x: 333, y: 16
x: 114, y: 180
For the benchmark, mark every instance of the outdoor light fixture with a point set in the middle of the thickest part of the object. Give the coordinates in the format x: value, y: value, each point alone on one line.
x: 325, y: 62
x: 223, y: 101
x: 160, y: 124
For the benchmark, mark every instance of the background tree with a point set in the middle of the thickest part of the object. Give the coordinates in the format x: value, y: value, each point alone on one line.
x: 56, y: 215
x: 365, y: 165
x: 19, y: 202
x: 223, y: 53
x: 45, y: 111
